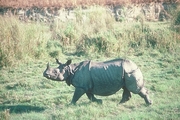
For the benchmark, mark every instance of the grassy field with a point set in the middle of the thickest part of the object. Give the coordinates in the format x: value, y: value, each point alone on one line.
x: 25, y: 94
x: 26, y: 48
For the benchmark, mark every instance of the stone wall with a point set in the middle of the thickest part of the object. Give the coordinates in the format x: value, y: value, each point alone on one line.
x: 149, y: 11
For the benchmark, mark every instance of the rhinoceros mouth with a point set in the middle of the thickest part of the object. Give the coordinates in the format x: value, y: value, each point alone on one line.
x: 56, y: 78
x: 48, y: 76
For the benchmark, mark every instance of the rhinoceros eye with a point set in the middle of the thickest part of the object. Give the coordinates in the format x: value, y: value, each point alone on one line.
x: 55, y: 72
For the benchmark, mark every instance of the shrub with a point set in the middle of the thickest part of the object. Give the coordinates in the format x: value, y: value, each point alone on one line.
x: 20, y: 41
x: 96, y: 35
x: 176, y: 20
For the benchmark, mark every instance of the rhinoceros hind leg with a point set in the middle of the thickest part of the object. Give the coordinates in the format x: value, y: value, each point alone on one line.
x: 126, y: 95
x: 144, y: 94
x: 93, y: 99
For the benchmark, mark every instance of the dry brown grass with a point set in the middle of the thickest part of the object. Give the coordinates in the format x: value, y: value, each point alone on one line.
x: 71, y: 3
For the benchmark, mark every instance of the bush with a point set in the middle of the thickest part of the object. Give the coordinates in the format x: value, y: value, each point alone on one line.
x: 176, y: 20
x: 96, y: 35
x: 20, y: 41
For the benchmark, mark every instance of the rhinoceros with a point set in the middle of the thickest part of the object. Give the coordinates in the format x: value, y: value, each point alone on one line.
x: 100, y: 78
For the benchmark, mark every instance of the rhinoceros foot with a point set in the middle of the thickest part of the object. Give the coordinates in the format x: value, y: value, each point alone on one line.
x: 93, y: 99
x: 99, y: 101
x: 144, y: 94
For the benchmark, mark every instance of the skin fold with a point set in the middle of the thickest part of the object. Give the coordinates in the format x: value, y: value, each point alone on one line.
x: 100, y: 78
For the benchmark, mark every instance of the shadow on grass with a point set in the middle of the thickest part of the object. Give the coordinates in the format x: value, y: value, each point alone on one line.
x: 21, y: 108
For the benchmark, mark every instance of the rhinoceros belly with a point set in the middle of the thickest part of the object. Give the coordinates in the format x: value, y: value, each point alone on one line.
x: 106, y: 88
x: 107, y: 78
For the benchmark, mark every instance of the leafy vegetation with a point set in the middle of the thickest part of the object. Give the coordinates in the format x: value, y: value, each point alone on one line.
x: 25, y: 48
x: 176, y: 20
x: 92, y: 32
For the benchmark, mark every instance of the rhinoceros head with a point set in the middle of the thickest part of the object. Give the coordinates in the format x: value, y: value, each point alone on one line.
x: 60, y: 73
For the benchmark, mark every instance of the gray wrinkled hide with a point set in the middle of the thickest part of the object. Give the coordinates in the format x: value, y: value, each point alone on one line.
x: 106, y: 78
x: 100, y: 78
x: 82, y: 77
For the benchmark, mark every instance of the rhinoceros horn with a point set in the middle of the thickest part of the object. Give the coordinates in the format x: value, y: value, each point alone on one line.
x: 48, y: 67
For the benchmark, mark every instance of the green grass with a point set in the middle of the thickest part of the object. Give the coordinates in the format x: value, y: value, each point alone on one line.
x: 26, y: 48
x: 30, y: 96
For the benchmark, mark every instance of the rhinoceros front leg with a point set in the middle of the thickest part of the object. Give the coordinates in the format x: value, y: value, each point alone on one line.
x: 126, y: 95
x: 144, y: 94
x: 93, y: 99
x: 77, y: 94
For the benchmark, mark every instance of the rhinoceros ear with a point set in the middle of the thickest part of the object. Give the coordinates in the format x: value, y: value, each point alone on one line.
x: 58, y: 62
x: 68, y: 62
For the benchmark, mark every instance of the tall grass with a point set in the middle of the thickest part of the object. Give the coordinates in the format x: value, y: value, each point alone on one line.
x: 99, y: 33
x: 20, y: 41
x: 176, y: 20
x: 92, y: 33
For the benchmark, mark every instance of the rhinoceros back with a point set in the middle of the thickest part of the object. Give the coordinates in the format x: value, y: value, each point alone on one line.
x: 106, y: 77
